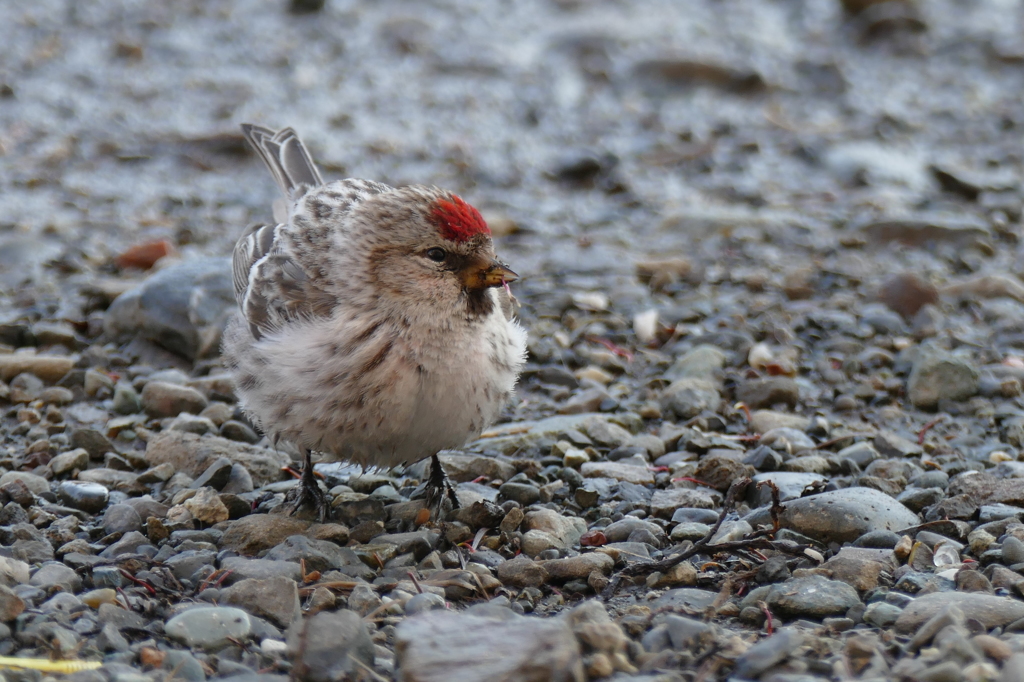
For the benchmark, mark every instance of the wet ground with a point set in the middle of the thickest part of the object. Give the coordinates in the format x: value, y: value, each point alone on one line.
x: 812, y: 208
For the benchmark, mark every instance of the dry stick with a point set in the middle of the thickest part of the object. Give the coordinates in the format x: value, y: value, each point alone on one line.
x: 759, y: 539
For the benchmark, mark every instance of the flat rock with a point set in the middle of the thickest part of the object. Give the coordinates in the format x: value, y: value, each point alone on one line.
x: 664, y: 503
x: 276, y: 599
x: 243, y: 568
x: 255, y: 533
x: 688, y: 598
x: 811, y: 597
x: 192, y: 455
x: 49, y: 368
x: 620, y: 471
x: 983, y: 488
x: 462, y: 468
x: 840, y: 515
x: 990, y: 610
x: 164, y: 399
x: 439, y: 646
x: 578, y: 566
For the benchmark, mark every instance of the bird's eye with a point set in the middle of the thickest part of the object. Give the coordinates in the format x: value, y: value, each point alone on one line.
x: 437, y: 255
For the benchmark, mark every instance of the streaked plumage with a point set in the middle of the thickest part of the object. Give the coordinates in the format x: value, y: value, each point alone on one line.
x: 352, y: 340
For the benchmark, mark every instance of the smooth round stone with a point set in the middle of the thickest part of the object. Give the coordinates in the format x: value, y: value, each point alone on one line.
x: 523, y: 493
x: 1013, y: 551
x: 877, y: 539
x: 121, y: 518
x: 881, y: 614
x: 694, y: 515
x: 209, y: 627
x: 426, y: 601
x: 82, y: 495
x: 840, y: 515
x: 689, y: 531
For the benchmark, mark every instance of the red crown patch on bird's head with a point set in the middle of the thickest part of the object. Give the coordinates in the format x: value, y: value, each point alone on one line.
x: 456, y: 220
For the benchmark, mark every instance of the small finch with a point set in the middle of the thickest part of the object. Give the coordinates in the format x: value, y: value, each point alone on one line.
x: 376, y: 323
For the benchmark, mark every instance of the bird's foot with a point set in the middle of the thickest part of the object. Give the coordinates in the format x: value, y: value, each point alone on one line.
x: 312, y: 495
x: 439, y: 489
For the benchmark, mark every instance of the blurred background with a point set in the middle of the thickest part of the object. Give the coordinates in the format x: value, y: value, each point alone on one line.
x: 633, y: 156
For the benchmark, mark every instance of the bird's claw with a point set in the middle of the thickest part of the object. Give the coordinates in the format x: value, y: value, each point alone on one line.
x: 312, y: 495
x: 439, y: 487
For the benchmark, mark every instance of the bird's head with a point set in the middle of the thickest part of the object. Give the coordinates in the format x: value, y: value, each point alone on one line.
x: 430, y: 248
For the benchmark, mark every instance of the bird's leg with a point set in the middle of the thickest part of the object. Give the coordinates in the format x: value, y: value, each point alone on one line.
x: 438, y: 486
x: 309, y: 490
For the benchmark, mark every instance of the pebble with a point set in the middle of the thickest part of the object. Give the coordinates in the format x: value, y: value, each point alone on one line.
x: 768, y: 652
x: 48, y: 368
x: 687, y: 397
x: 841, y: 515
x: 328, y: 645
x: 439, y: 645
x: 630, y: 472
x: 938, y: 376
x: 37, y: 485
x: 89, y: 497
x: 162, y: 399
x: 209, y: 627
x: 192, y: 454
x: 275, y: 598
x: 176, y: 306
x: 809, y: 597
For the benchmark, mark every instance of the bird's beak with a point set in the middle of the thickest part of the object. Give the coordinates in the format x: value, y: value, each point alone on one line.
x: 481, y: 274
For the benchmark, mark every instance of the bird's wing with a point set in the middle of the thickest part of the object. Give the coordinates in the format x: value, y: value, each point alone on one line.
x: 271, y: 285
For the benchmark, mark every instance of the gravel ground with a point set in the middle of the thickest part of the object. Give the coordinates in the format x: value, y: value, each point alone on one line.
x: 771, y: 427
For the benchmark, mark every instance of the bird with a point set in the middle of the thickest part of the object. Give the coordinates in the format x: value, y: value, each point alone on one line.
x: 375, y: 324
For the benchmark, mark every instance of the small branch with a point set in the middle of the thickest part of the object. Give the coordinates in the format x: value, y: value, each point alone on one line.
x: 759, y: 539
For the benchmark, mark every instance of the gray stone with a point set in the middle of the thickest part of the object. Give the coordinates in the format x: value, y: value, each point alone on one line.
x: 192, y: 454
x: 683, y: 631
x: 811, y: 597
x: 703, y: 361
x: 66, y: 463
x: 840, y: 515
x: 126, y: 399
x: 208, y: 627
x: 243, y: 568
x: 425, y: 601
x: 768, y: 652
x: 183, y: 307
x: 881, y: 615
x: 162, y: 399
x: 439, y: 646
x: 37, y: 485
x: 687, y: 397
x: 121, y: 518
x: 941, y: 376
x: 276, y: 599
x: 326, y: 645
x: 92, y: 441
x: 56, y: 574
x: 88, y: 497
x: 128, y: 544
x: 990, y: 610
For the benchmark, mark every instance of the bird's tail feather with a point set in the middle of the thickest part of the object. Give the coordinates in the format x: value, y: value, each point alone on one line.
x: 285, y: 156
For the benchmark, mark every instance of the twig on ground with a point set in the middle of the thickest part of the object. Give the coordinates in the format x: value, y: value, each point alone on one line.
x: 759, y: 539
